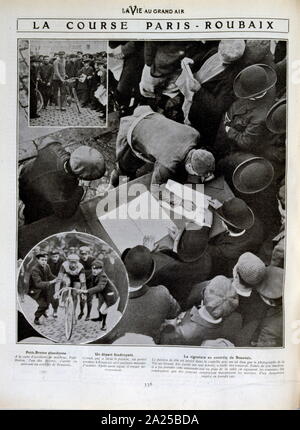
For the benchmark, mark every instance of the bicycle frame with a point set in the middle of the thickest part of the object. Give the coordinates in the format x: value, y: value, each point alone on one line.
x: 70, y: 319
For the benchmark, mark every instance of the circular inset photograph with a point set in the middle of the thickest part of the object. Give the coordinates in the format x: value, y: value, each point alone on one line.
x: 72, y: 288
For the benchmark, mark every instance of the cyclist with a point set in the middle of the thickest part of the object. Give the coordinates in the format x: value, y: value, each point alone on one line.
x: 71, y: 274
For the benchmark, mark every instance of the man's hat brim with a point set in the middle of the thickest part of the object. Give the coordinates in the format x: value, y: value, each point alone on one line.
x: 243, y: 225
x: 236, y: 177
x: 242, y: 94
x: 269, y: 120
x: 135, y: 282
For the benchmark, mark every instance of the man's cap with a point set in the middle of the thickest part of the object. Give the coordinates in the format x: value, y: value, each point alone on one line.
x: 236, y: 213
x: 97, y: 264
x: 276, y: 117
x: 84, y: 250
x: 220, y: 298
x: 34, y: 58
x: 251, y: 269
x: 139, y: 264
x: 87, y: 163
x: 61, y: 53
x: 231, y: 50
x: 254, y: 80
x: 272, y: 284
x: 253, y: 175
x: 41, y: 254
x: 73, y: 257
x: 256, y: 51
x: 54, y: 251
x: 202, y: 161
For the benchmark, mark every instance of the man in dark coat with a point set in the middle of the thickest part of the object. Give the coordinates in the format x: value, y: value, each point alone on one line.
x: 40, y: 281
x: 50, y: 183
x: 251, y: 178
x: 147, y: 307
x: 243, y: 125
x: 216, y: 72
x: 244, y: 233
x: 33, y: 83
x: 106, y: 292
x: 132, y: 54
x: 55, y: 263
x: 45, y: 81
x: 188, y: 263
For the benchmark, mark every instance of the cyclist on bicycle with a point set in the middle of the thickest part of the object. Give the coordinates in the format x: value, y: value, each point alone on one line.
x: 71, y: 274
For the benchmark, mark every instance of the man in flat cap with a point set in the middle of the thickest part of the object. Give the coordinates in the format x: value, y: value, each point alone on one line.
x: 50, y: 183
x: 150, y: 137
x: 40, y: 282
x: 106, y: 292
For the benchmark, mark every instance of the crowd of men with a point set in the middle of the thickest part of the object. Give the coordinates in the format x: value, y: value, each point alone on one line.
x: 57, y: 77
x: 196, y: 111
x: 205, y: 110
x: 68, y: 268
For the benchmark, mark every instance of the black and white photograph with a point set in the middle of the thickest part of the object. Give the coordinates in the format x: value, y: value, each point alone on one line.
x: 68, y: 82
x: 72, y: 288
x: 186, y: 184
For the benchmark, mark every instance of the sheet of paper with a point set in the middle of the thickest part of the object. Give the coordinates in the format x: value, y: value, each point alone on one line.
x: 143, y: 216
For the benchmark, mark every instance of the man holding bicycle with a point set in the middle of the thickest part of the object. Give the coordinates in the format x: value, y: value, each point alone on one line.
x: 40, y: 282
x: 104, y: 289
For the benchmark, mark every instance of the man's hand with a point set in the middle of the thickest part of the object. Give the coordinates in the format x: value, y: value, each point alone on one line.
x: 53, y: 281
x: 149, y: 242
x: 173, y: 232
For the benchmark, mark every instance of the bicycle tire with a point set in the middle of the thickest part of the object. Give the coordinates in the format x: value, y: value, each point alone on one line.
x: 69, y: 311
x: 39, y: 100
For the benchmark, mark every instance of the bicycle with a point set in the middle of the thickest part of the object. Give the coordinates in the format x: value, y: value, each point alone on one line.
x: 70, y: 317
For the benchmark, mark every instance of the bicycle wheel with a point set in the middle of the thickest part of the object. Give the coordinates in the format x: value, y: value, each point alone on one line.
x: 69, y: 310
x: 39, y: 100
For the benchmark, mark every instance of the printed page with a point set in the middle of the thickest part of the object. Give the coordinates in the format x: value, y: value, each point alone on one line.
x: 100, y: 102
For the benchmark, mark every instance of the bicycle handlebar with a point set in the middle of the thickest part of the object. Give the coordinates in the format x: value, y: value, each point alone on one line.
x: 78, y: 290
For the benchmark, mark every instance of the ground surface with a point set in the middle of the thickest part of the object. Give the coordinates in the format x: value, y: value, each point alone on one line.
x: 51, y: 117
x: 83, y: 331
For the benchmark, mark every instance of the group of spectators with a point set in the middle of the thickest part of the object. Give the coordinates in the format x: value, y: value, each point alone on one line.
x: 67, y: 268
x: 194, y: 112
x: 206, y: 110
x: 57, y: 77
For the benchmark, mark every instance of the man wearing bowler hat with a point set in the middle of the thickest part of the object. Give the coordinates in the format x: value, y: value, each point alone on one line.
x: 147, y: 307
x: 242, y: 127
x: 244, y: 233
x: 252, y: 179
x: 274, y: 148
x: 189, y: 261
x: 50, y: 183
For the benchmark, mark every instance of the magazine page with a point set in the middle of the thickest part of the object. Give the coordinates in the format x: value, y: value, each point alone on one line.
x: 149, y: 224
